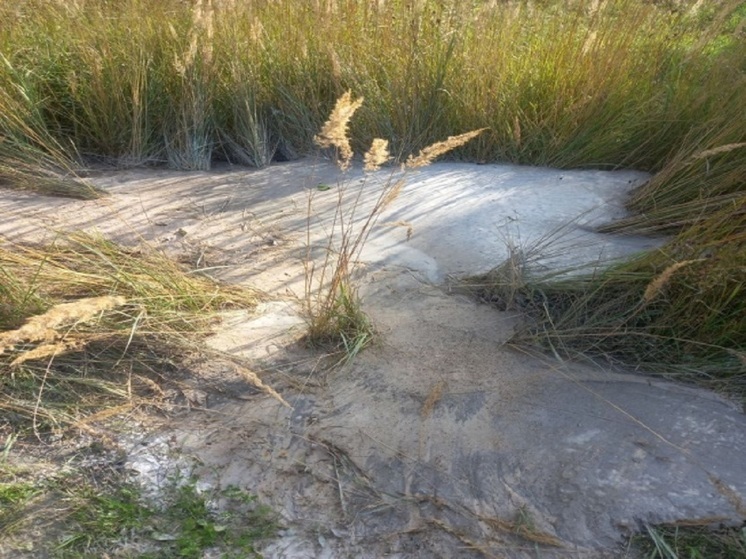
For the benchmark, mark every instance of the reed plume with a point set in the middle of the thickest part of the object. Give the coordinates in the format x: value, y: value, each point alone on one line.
x: 334, y: 131
x: 433, y: 151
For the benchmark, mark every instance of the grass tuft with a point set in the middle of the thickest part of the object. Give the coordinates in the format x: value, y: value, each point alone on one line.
x: 103, y: 514
x: 683, y: 319
x: 621, y: 83
x: 93, y: 329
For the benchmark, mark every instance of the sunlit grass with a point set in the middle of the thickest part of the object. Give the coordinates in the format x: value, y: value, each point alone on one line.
x: 557, y: 83
x: 103, y: 328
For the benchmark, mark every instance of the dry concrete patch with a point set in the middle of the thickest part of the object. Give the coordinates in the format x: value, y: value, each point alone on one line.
x: 438, y: 441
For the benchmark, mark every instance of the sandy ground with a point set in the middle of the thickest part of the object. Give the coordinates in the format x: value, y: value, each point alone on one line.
x: 439, y: 441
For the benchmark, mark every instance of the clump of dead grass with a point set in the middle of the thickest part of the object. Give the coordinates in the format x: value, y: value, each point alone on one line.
x: 93, y: 329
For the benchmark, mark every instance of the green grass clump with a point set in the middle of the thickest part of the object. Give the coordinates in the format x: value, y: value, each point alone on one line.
x: 14, y: 495
x: 184, y: 523
x: 101, y: 517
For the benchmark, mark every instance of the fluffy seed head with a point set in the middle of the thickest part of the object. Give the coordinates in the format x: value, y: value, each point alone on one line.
x: 377, y: 155
x: 334, y: 131
x: 430, y: 153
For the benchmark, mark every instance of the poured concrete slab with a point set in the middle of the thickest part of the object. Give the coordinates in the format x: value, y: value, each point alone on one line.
x: 438, y: 441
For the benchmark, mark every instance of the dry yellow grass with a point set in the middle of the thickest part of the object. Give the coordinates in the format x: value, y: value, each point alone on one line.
x: 47, y: 350
x: 45, y: 327
x: 436, y: 393
x: 391, y: 194
x: 253, y: 379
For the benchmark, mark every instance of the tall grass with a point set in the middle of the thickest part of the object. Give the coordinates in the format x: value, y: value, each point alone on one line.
x: 558, y: 83
x: 679, y: 310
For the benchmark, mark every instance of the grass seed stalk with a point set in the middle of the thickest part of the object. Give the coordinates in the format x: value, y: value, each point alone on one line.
x: 332, y: 302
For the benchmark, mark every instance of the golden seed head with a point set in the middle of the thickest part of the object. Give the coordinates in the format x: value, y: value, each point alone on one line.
x: 377, y: 155
x: 334, y: 131
x: 430, y: 153
x: 659, y: 282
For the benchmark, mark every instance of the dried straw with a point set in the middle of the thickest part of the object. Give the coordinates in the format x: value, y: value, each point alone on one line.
x: 436, y: 393
x: 46, y: 350
x: 392, y: 194
x: 715, y: 151
x: 44, y: 327
x: 254, y: 379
